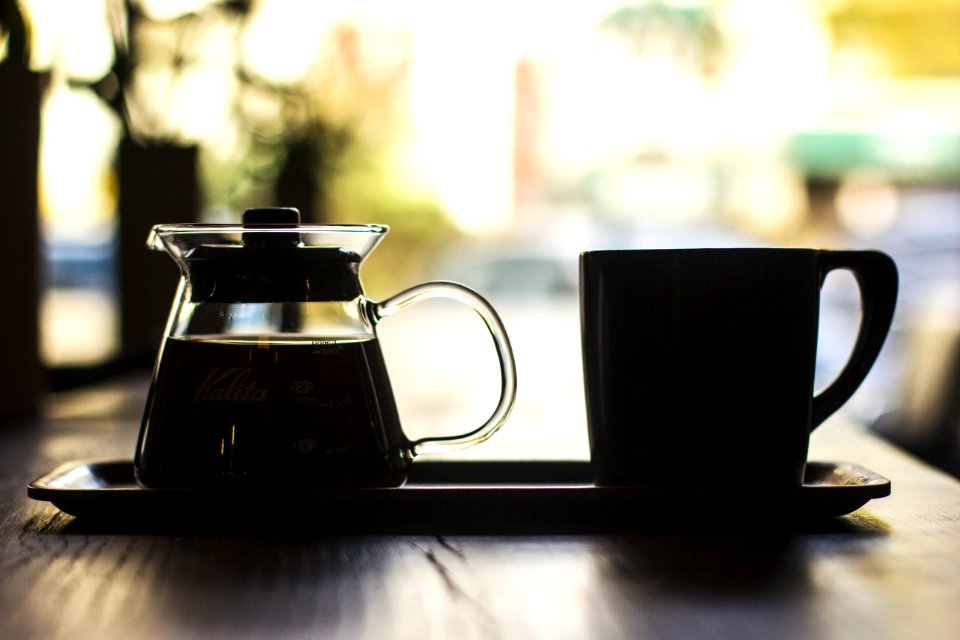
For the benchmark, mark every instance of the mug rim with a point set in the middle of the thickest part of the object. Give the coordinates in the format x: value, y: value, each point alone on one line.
x: 663, y: 250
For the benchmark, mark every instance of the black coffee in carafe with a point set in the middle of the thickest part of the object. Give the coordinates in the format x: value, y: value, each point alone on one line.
x: 255, y: 411
x: 271, y: 372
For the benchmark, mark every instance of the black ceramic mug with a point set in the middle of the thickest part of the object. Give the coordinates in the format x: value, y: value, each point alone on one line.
x: 699, y: 363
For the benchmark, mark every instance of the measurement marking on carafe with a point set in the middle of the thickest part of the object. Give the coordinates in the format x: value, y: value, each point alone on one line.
x: 339, y: 403
x: 325, y: 347
x: 301, y: 387
x: 306, y: 445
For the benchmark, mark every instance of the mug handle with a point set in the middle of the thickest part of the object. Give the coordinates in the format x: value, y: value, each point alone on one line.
x: 508, y: 369
x: 876, y: 276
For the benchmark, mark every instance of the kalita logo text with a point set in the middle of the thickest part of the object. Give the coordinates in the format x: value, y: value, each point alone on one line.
x: 230, y: 385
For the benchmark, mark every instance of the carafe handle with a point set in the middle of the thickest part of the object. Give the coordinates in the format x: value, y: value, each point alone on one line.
x: 508, y: 370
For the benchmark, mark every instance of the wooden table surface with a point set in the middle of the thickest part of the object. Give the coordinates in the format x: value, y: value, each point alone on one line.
x: 889, y: 570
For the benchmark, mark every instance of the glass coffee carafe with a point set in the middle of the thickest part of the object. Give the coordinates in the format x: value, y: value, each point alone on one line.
x: 270, y: 371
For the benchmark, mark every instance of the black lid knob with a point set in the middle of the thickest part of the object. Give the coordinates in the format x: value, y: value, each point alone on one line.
x: 272, y: 216
x: 269, y: 219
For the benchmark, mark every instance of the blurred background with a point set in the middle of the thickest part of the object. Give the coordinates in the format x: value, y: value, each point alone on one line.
x: 498, y: 140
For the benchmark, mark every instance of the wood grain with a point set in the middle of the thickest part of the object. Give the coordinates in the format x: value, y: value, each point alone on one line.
x: 890, y: 570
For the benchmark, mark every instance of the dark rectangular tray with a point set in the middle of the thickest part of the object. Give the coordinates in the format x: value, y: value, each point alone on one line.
x: 439, y: 496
